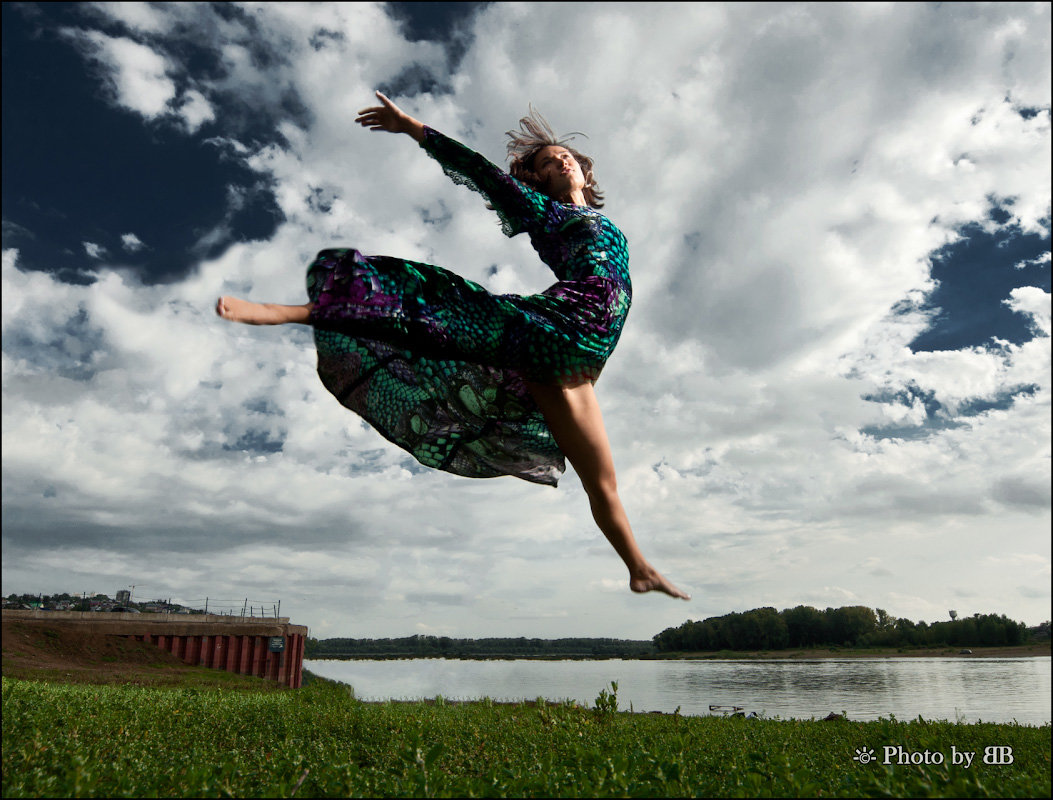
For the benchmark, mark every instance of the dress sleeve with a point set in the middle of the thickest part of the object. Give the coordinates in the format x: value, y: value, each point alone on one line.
x: 519, y: 207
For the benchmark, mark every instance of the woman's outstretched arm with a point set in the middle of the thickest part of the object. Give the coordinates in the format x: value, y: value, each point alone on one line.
x: 519, y: 206
x: 389, y: 117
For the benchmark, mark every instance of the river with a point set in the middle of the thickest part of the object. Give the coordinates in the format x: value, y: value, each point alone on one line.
x: 958, y: 689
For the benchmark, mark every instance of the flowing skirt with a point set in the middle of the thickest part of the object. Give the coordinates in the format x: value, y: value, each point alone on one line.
x: 438, y: 365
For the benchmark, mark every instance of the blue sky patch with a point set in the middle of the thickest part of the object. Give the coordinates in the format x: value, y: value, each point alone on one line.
x: 976, y: 274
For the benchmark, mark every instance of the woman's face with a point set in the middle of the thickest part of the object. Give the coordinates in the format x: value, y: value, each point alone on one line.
x: 558, y: 171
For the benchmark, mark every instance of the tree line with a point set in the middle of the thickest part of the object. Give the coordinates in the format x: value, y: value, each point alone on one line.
x: 848, y: 626
x: 445, y: 646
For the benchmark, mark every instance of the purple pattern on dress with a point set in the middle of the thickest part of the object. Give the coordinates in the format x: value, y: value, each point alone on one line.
x: 437, y: 363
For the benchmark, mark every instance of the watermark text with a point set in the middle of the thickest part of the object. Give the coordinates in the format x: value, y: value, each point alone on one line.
x: 898, y: 755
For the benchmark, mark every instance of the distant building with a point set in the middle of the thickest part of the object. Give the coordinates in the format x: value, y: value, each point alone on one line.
x: 123, y: 597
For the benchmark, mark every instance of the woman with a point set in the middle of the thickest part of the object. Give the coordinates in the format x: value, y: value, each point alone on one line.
x: 470, y: 382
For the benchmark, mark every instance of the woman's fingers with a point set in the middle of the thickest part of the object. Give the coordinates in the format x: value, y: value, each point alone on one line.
x: 387, y: 117
x: 388, y: 106
x: 375, y: 117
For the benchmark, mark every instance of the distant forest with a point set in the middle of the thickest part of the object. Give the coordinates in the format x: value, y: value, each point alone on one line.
x: 849, y: 626
x: 759, y: 629
x: 445, y: 647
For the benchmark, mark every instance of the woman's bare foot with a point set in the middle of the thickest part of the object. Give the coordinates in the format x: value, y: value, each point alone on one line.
x: 649, y: 579
x: 237, y: 310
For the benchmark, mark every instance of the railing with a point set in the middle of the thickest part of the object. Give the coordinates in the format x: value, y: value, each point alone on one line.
x: 244, y: 608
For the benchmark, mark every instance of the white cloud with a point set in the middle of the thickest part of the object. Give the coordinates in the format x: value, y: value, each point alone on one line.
x: 1034, y: 262
x: 195, y: 110
x: 138, y: 74
x: 1035, y: 303
x: 94, y: 250
x: 783, y: 174
x: 141, y: 79
x: 139, y: 17
x: 131, y: 243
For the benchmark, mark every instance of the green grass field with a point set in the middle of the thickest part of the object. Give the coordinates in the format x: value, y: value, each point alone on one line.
x: 64, y: 740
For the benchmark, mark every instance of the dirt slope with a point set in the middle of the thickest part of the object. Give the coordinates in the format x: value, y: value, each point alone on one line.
x: 64, y: 653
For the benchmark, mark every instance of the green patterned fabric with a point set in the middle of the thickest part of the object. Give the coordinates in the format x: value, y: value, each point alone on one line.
x: 437, y: 363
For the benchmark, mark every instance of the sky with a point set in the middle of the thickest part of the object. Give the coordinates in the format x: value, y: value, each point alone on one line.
x: 833, y: 387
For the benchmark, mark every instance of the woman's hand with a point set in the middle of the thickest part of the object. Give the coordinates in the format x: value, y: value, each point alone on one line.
x: 389, y: 117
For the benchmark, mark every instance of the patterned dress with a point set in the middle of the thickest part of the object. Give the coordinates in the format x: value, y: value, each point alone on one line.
x: 437, y: 364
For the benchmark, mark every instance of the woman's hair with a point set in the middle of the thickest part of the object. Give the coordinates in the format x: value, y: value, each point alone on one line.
x: 534, y: 134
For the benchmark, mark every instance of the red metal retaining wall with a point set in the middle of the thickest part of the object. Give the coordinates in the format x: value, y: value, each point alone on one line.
x: 267, y: 648
x: 243, y: 654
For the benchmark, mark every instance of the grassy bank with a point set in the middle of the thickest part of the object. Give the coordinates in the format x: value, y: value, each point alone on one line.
x: 123, y: 741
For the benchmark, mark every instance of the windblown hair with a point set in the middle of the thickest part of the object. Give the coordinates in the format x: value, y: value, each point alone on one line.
x: 533, y: 135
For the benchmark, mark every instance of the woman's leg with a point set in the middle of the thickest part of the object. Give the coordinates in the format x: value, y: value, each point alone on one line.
x: 573, y: 416
x: 250, y: 313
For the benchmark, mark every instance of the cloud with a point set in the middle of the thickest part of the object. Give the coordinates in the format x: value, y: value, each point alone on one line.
x: 137, y: 75
x: 94, y: 250
x: 13, y: 231
x: 195, y: 110
x: 142, y: 80
x: 131, y: 243
x: 784, y: 176
x: 1044, y: 258
x: 138, y: 17
x: 1033, y: 302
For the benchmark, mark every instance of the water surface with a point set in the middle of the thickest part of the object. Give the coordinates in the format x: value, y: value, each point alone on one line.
x: 958, y: 689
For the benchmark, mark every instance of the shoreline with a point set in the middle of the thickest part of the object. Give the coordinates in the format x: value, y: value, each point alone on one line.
x: 809, y: 654
x: 1037, y: 650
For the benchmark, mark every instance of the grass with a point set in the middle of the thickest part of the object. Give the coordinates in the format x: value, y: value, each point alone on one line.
x: 62, y: 740
x: 159, y: 675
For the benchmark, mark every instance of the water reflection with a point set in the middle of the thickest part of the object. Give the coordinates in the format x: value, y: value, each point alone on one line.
x: 956, y: 689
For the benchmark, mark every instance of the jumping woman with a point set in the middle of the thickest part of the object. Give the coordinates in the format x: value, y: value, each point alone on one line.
x: 467, y: 381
